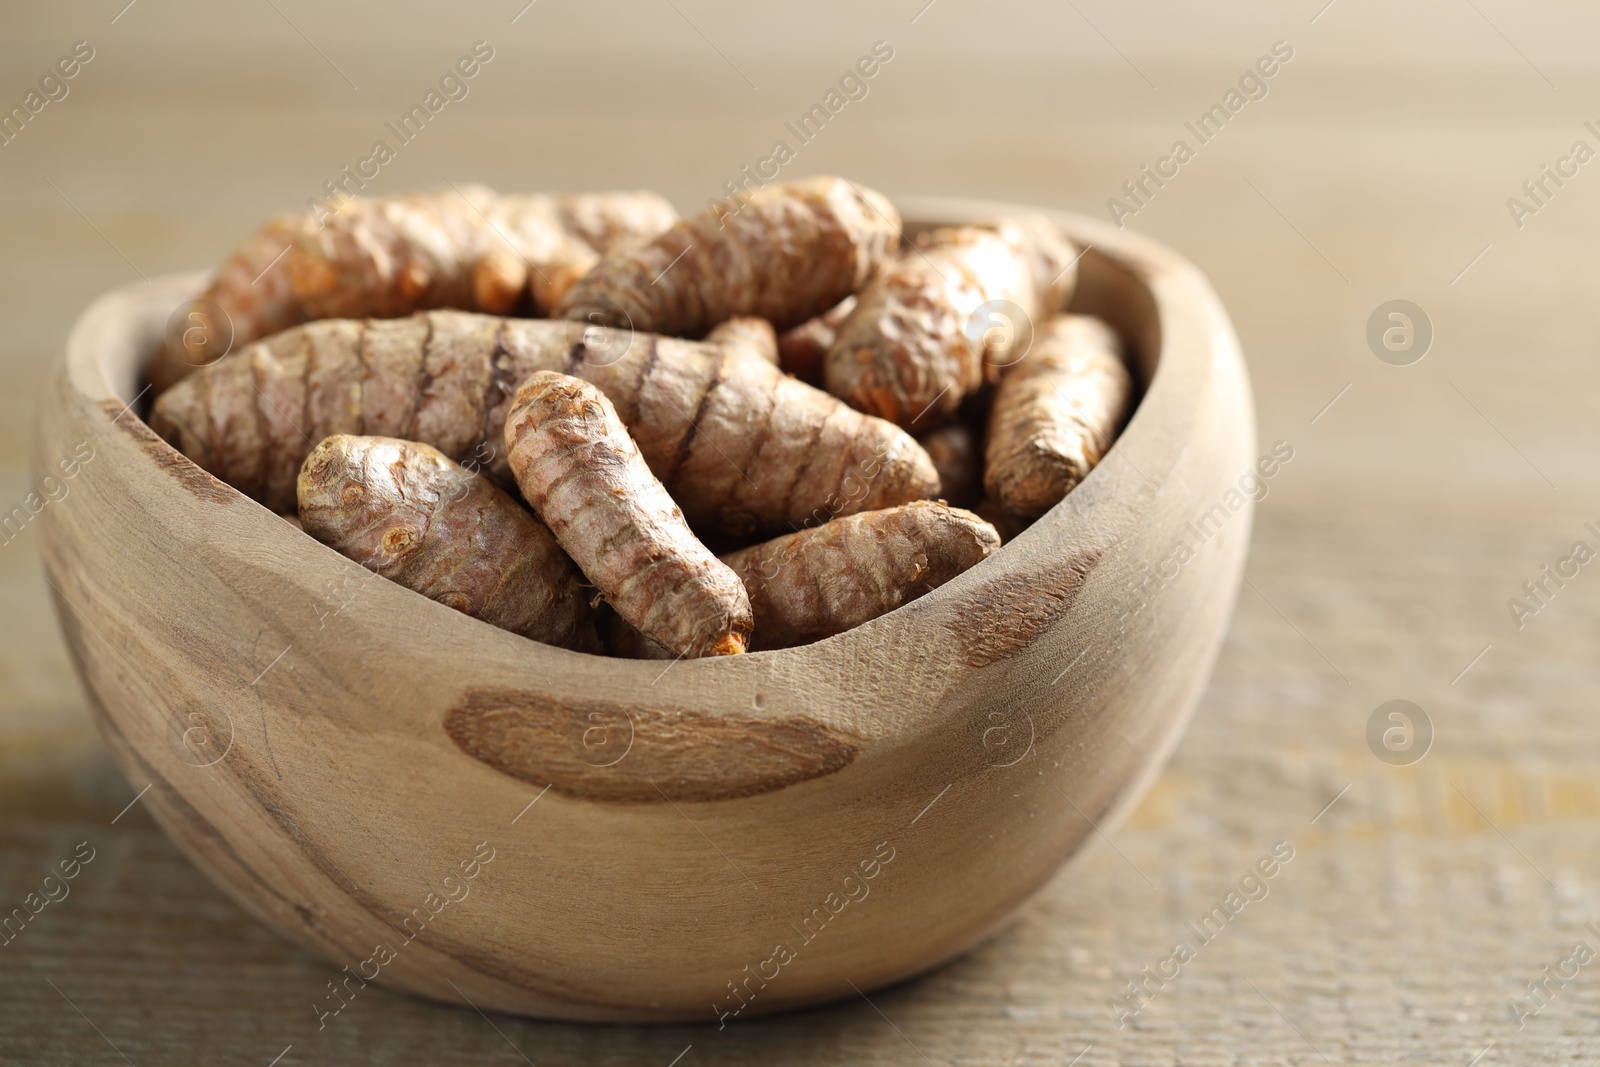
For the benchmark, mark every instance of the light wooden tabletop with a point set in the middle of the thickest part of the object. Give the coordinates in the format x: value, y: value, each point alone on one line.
x: 1420, y: 899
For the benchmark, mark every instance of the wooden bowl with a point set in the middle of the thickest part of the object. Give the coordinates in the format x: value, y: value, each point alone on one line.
x: 441, y: 807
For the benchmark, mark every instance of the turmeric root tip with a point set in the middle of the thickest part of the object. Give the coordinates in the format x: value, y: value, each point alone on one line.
x: 1055, y: 414
x: 788, y: 252
x: 825, y: 580
x: 405, y: 511
x: 1007, y: 524
x: 252, y: 289
x: 581, y: 471
x: 803, y: 348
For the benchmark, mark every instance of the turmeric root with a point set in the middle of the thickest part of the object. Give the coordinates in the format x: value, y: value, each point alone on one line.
x: 791, y: 251
x: 958, y: 458
x: 584, y: 476
x: 389, y: 256
x: 747, y: 334
x: 743, y: 447
x: 819, y: 582
x: 1055, y: 414
x: 471, y: 249
x: 802, y: 349
x: 605, y: 222
x: 945, y: 316
x: 406, y: 512
x: 825, y: 580
x: 257, y: 300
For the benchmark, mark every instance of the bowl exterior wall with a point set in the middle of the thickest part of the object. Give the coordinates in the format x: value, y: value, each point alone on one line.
x: 444, y: 808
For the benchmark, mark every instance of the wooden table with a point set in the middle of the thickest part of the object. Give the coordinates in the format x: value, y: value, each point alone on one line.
x: 1420, y: 498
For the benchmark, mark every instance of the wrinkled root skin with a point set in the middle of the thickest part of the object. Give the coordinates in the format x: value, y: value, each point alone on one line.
x: 1055, y: 415
x: 386, y: 257
x: 581, y: 472
x: 789, y: 252
x: 823, y: 581
x: 406, y: 512
x: 744, y: 448
x: 945, y: 316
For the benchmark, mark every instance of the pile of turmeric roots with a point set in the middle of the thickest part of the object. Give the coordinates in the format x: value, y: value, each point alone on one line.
x: 603, y: 427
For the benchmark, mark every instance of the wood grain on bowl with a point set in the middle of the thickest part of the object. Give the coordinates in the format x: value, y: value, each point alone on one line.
x: 627, y: 752
x: 445, y: 808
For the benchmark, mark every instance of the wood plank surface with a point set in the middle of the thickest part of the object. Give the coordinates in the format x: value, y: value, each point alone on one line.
x: 1419, y: 499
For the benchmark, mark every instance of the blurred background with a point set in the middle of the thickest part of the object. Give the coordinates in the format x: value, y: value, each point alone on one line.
x: 1379, y: 166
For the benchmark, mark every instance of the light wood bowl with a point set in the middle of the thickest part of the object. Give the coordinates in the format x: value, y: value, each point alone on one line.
x: 329, y: 747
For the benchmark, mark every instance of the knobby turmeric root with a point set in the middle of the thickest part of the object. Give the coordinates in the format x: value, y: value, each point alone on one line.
x: 790, y: 252
x: 406, y: 512
x: 582, y: 473
x: 823, y: 581
x: 743, y: 447
x: 945, y: 316
x: 385, y: 257
x: 1055, y: 414
x: 803, y: 348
